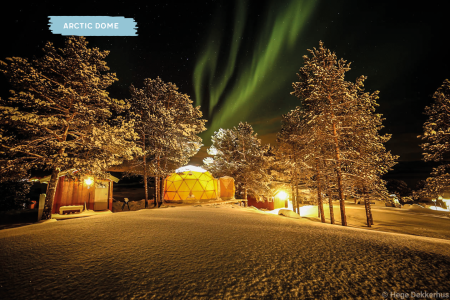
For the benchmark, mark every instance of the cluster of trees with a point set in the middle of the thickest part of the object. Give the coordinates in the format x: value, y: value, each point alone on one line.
x: 400, y: 189
x: 335, y: 131
x: 239, y: 153
x: 437, y: 142
x: 14, y: 195
x: 331, y: 141
x: 60, y: 116
x: 168, y: 127
x: 436, y: 148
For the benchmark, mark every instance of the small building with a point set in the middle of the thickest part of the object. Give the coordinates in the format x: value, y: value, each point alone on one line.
x: 227, y: 188
x: 269, y: 203
x: 96, y: 194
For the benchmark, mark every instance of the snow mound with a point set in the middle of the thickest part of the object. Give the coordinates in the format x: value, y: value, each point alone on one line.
x: 288, y: 213
x: 421, y: 209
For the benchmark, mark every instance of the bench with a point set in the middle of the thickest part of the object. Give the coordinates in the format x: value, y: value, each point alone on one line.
x: 62, y: 209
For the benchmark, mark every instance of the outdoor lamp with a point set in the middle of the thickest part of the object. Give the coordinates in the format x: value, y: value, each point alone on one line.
x: 88, y: 181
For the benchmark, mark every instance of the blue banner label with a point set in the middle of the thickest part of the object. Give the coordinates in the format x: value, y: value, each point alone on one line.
x: 93, y: 26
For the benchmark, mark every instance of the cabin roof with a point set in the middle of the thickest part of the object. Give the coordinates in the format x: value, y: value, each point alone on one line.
x: 46, y: 179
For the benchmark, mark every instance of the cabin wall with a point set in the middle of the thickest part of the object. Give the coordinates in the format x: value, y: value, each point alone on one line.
x: 266, y: 204
x: 260, y: 204
x: 278, y: 203
x: 76, y: 192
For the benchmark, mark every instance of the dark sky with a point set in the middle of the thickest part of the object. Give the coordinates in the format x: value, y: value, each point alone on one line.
x: 238, y: 59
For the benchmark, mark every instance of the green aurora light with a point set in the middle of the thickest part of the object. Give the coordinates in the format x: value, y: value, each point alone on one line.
x: 240, y: 81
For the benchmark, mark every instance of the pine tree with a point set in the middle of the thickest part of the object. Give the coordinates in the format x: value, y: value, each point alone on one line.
x: 368, y: 158
x: 60, y: 116
x: 343, y: 126
x: 168, y: 125
x: 238, y: 153
x: 293, y: 153
x: 14, y: 194
x: 437, y: 140
x: 323, y: 92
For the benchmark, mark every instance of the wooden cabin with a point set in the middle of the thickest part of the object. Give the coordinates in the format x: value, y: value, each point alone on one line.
x: 269, y: 203
x: 97, y: 194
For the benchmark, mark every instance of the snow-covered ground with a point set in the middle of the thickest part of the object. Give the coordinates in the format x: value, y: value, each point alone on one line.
x: 413, y: 220
x: 215, y: 252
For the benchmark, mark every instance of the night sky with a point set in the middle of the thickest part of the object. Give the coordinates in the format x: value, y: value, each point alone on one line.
x: 238, y: 59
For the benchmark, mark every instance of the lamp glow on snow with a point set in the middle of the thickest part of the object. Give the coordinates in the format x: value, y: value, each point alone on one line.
x: 282, y: 195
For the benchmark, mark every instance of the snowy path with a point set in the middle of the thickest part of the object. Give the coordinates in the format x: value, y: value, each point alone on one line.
x: 389, y: 219
x: 207, y: 252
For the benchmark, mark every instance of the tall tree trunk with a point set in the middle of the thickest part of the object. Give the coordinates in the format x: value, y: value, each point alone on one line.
x: 145, y: 174
x: 330, y: 201
x: 292, y: 192
x: 156, y: 191
x: 157, y: 184
x: 319, y: 195
x: 295, y: 204
x: 51, y: 190
x: 245, y: 193
x: 298, y: 200
x: 295, y: 196
x: 162, y: 190
x: 366, y: 200
x: 145, y: 184
x: 338, y: 168
x: 52, y: 185
x: 366, y: 206
x: 339, y: 177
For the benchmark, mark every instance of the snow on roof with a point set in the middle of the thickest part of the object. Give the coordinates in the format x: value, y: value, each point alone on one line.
x: 46, y: 179
x: 190, y: 168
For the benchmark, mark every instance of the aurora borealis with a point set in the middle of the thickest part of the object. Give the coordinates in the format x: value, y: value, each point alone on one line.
x: 250, y: 75
x: 238, y: 59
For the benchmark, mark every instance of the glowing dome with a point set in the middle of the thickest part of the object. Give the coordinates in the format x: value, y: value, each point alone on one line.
x: 190, y: 186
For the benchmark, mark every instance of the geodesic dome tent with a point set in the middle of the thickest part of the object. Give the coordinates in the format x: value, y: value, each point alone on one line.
x: 227, y: 188
x: 190, y: 186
